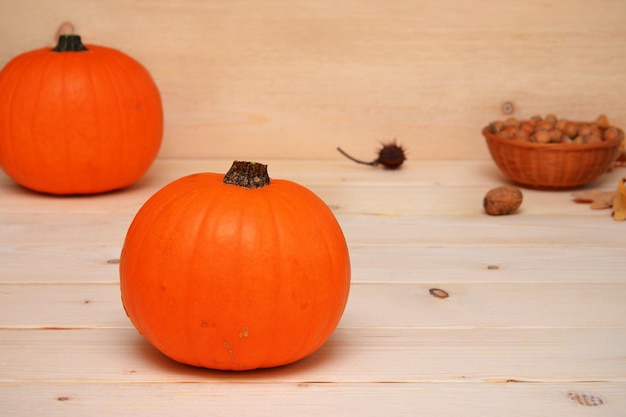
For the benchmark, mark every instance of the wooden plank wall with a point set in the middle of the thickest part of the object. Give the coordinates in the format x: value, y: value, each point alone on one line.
x: 296, y: 78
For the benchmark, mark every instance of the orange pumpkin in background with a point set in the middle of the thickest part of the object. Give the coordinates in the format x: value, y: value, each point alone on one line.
x: 235, y: 272
x: 78, y: 119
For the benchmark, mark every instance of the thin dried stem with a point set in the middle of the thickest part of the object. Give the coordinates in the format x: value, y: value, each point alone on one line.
x: 372, y: 163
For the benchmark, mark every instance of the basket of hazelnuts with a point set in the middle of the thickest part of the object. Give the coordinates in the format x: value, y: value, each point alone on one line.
x: 553, y: 153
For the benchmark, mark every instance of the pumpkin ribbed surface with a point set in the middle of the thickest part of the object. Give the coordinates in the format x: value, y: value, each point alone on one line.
x: 225, y: 277
x: 78, y: 122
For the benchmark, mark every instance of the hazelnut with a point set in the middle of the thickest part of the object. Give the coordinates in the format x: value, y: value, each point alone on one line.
x: 541, y: 136
x: 551, y: 118
x: 544, y: 125
x: 560, y: 124
x: 556, y: 136
x: 502, y: 200
x: 603, y: 121
x: 584, y: 130
x: 522, y: 135
x: 571, y: 129
x: 611, y: 133
x: 527, y: 127
x: 511, y: 122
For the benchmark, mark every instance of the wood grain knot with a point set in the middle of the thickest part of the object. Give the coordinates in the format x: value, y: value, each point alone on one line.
x: 493, y: 267
x: 113, y: 261
x: 63, y: 399
x: 438, y: 293
x: 507, y: 108
x: 585, y: 399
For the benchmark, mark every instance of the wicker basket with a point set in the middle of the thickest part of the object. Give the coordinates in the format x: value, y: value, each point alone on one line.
x: 551, y: 166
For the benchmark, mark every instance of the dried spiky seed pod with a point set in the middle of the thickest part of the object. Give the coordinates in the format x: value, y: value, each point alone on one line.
x: 390, y: 155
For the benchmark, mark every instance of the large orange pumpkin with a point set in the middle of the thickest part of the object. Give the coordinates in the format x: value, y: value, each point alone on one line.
x: 78, y: 119
x: 235, y: 272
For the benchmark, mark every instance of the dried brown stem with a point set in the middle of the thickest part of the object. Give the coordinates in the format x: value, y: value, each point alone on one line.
x: 372, y: 163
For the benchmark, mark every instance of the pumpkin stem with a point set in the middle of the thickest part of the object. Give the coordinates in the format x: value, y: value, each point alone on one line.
x: 69, y: 43
x: 247, y: 175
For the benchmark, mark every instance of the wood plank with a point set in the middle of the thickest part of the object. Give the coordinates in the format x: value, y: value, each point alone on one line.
x: 480, y: 264
x: 94, y: 262
x: 62, y: 306
x: 338, y: 171
x: 536, y: 297
x: 334, y: 170
x: 61, y: 262
x: 470, y: 305
x: 354, y: 200
x: 590, y: 228
x: 483, y: 231
x: 439, y: 188
x: 351, y: 355
x: 314, y: 399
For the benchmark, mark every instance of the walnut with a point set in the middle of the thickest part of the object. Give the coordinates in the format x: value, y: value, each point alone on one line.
x: 502, y: 200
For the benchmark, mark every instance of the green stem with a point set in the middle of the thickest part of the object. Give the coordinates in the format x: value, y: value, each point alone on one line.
x: 69, y: 43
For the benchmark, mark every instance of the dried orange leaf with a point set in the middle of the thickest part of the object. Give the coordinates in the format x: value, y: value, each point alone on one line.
x: 619, y: 203
x: 603, y: 201
x: 598, y: 199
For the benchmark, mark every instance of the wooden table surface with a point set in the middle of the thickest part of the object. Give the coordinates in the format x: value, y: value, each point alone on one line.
x: 534, y: 325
